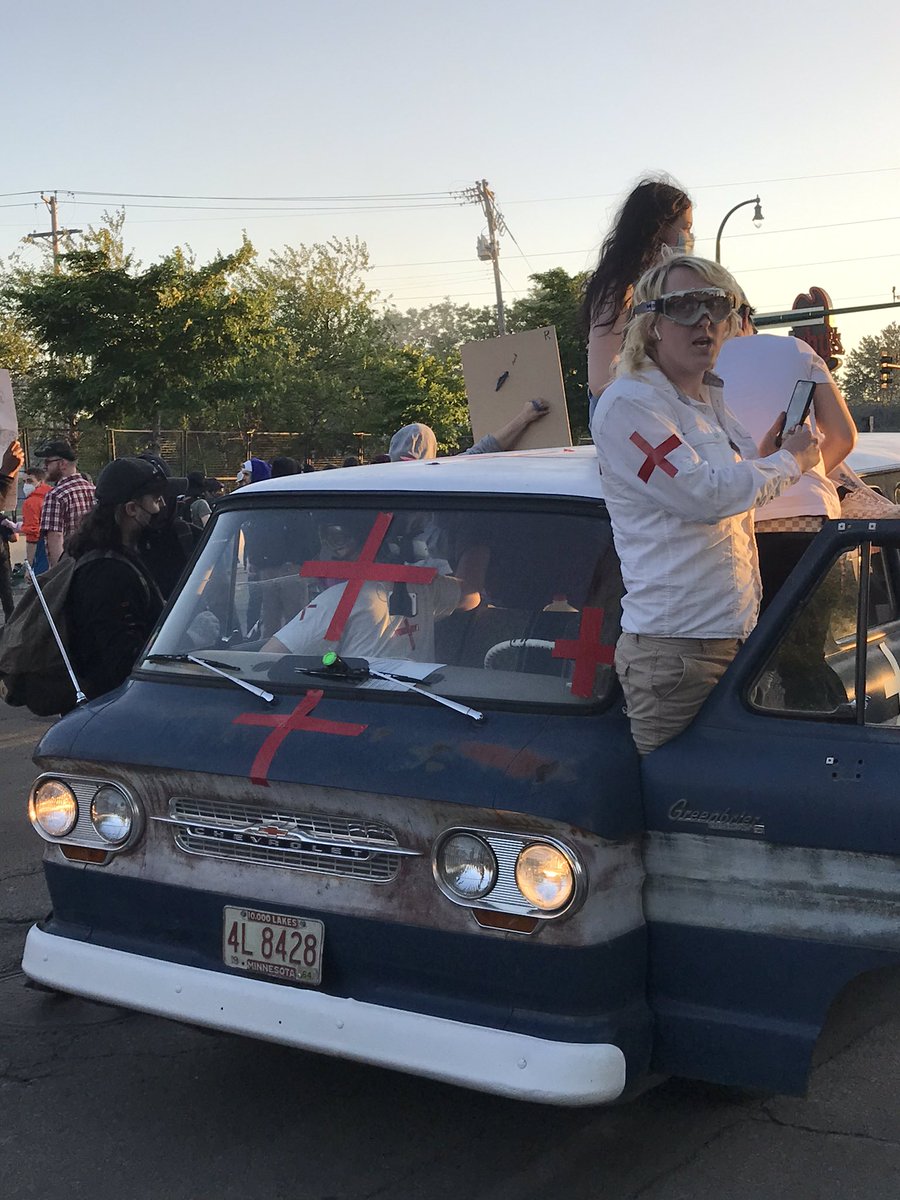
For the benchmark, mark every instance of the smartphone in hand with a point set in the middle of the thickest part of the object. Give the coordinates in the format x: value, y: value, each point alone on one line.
x: 798, y: 407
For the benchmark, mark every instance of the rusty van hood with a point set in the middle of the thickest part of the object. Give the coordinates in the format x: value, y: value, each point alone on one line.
x: 581, y: 769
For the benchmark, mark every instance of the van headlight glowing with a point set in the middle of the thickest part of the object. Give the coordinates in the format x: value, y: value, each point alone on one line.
x: 466, y: 865
x: 545, y: 876
x: 112, y: 815
x: 52, y: 808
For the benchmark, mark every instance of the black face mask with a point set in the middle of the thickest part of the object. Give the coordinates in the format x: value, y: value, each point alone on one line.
x: 158, y: 524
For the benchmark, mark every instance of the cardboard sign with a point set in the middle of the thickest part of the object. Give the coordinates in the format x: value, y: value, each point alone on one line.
x: 504, y: 373
x: 9, y: 424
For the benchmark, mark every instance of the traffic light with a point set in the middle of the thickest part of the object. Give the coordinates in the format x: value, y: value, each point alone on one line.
x: 884, y: 373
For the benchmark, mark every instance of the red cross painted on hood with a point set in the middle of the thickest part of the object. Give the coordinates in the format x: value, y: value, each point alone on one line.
x: 281, y: 725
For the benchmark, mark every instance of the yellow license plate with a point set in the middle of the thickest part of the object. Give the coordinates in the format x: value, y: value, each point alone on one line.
x: 273, y: 945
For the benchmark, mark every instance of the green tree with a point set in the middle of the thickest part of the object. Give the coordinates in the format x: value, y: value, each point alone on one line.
x: 20, y: 350
x: 859, y: 376
x: 410, y: 385
x: 554, y: 299
x: 440, y: 329
x: 320, y: 377
x: 155, y: 346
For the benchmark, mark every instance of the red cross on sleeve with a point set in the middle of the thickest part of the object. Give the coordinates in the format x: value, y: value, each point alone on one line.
x: 587, y: 652
x: 656, y: 455
x: 364, y: 570
x: 293, y: 722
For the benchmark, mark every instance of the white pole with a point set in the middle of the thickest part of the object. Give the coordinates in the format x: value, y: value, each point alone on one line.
x: 80, y: 697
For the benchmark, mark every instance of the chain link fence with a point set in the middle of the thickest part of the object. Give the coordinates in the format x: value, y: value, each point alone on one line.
x: 217, y: 453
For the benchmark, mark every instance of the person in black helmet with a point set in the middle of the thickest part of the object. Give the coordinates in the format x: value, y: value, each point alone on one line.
x: 113, y: 601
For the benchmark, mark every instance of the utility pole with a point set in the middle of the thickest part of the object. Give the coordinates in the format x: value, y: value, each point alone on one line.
x: 489, y: 247
x: 55, y: 232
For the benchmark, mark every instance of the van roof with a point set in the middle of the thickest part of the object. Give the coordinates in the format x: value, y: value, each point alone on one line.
x: 875, y: 452
x: 567, y: 471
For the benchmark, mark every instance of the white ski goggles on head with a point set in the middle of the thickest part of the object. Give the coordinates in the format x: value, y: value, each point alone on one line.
x: 687, y: 308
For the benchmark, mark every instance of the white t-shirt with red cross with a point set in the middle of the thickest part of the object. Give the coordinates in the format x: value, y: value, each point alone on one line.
x: 371, y: 631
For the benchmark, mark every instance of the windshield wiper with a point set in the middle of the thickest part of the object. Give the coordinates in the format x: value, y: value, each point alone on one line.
x: 358, y: 670
x: 216, y: 669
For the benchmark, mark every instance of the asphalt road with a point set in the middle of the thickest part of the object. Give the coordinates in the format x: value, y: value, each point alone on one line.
x: 102, y: 1103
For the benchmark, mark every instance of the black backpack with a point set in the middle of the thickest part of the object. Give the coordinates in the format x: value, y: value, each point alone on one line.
x: 32, y: 672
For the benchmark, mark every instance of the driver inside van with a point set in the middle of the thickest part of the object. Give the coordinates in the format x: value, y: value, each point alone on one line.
x: 389, y: 618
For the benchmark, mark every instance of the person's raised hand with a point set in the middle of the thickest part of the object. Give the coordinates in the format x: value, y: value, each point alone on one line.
x: 13, y: 459
x: 535, y: 409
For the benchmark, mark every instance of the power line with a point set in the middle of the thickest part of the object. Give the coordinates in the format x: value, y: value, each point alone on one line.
x: 444, y: 192
x: 307, y: 208
x: 235, y: 199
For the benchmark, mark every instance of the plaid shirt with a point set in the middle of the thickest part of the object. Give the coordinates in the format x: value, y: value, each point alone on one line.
x: 65, y: 506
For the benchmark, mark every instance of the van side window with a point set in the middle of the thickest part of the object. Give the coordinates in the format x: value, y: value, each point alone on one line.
x: 847, y: 634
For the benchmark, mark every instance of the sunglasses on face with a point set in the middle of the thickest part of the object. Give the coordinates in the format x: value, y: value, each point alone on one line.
x: 687, y: 308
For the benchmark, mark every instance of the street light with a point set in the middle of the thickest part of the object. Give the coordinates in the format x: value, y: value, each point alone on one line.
x: 757, y: 220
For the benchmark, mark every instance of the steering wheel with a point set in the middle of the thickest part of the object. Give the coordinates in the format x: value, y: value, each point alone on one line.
x: 514, y: 644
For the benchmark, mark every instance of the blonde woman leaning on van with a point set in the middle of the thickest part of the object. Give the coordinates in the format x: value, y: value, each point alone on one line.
x: 680, y: 477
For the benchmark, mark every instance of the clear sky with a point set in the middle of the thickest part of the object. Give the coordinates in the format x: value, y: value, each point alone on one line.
x: 560, y: 106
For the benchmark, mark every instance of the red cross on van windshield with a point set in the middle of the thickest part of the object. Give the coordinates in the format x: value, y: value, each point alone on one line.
x: 364, y: 570
x: 587, y: 652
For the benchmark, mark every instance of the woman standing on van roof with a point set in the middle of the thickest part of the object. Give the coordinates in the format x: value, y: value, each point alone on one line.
x: 656, y: 215
x: 113, y: 602
x: 680, y: 477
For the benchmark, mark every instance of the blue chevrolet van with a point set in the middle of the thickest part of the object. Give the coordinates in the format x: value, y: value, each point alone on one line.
x: 370, y: 791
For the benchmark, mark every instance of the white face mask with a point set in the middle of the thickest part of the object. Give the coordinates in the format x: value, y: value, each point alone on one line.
x: 28, y: 488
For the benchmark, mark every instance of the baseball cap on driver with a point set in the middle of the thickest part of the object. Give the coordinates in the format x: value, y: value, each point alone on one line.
x: 128, y: 478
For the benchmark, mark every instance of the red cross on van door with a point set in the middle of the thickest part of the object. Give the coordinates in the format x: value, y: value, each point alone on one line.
x: 587, y: 652
x: 364, y: 570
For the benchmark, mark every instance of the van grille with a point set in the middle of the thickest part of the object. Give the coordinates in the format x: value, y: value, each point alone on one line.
x: 298, y: 841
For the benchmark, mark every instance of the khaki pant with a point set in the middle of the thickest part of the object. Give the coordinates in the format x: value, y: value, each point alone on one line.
x: 666, y: 680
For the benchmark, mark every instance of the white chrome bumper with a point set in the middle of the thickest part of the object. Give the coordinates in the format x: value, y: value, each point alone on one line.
x: 489, y: 1060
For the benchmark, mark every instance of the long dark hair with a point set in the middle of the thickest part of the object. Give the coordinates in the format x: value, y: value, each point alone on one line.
x: 631, y: 246
x: 99, y: 530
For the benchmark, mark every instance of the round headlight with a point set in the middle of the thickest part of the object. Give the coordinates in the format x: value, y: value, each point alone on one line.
x: 111, y: 815
x: 545, y: 876
x: 467, y: 866
x: 53, y: 808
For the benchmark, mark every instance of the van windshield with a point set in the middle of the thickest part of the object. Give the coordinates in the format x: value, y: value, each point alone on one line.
x: 478, y: 602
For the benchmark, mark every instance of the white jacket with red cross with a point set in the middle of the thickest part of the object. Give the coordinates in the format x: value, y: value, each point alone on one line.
x: 681, y: 479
